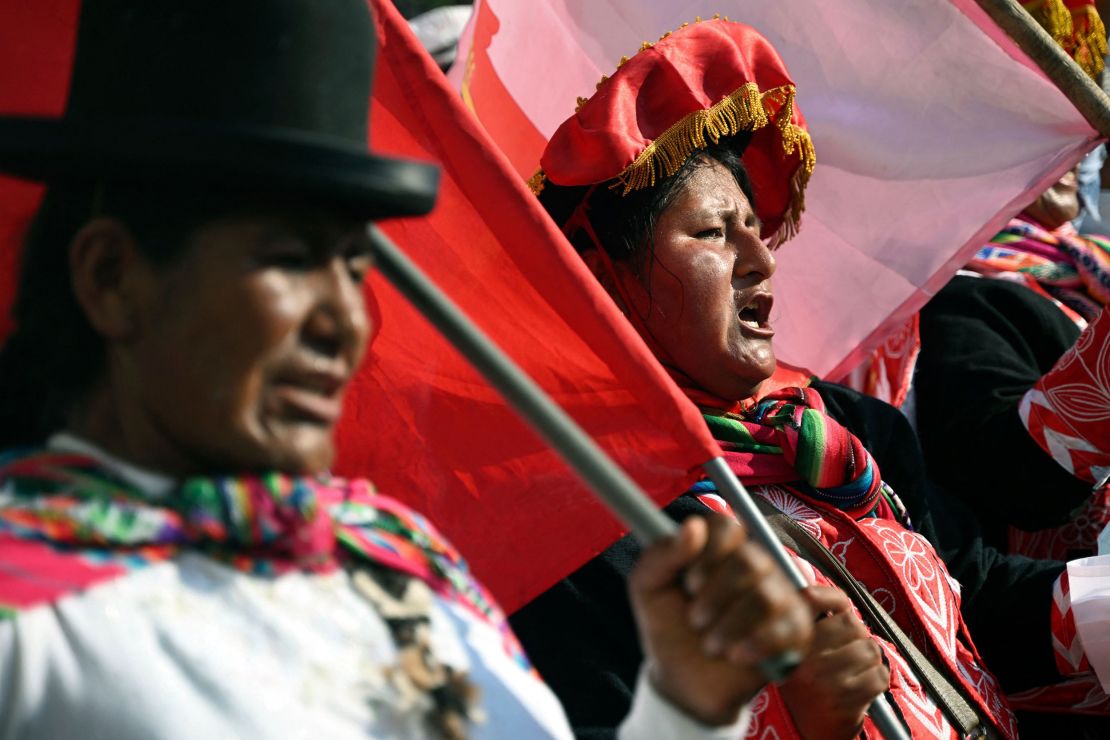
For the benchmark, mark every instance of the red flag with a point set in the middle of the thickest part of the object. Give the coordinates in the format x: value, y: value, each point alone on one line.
x: 420, y: 421
x: 428, y: 429
x: 36, y: 50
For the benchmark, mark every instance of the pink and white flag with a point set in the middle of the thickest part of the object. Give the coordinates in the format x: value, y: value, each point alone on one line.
x: 931, y: 129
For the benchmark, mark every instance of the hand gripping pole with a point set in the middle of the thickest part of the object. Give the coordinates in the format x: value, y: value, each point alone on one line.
x: 736, y: 496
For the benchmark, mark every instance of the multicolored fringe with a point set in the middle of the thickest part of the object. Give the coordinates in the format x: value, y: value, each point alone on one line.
x: 788, y: 438
x: 1071, y: 269
x: 66, y: 524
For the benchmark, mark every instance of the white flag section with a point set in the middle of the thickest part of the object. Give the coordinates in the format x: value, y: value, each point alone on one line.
x: 931, y: 129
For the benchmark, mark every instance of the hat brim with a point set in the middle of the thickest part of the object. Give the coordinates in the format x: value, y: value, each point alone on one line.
x: 248, y: 158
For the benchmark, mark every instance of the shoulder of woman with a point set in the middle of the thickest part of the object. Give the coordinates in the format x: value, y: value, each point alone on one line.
x: 970, y: 300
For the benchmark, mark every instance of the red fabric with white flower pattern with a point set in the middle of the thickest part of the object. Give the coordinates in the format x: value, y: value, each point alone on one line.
x: 904, y: 573
x: 1068, y: 414
x: 1081, y: 693
x: 1076, y: 539
x: 1068, y: 411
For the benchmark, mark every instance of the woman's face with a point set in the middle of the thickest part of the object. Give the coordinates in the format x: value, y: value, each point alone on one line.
x: 1059, y: 204
x: 704, y: 301
x: 245, y: 345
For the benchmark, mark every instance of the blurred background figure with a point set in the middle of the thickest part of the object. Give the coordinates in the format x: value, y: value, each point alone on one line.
x: 439, y: 29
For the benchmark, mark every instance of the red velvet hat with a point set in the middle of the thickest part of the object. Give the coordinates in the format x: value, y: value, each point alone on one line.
x: 707, y: 80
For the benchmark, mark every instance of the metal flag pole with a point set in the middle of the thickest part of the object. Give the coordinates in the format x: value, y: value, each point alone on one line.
x: 609, y: 483
x: 736, y: 496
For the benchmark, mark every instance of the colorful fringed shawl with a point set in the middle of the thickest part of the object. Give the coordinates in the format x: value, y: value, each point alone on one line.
x: 96, y: 526
x: 787, y: 437
x: 1070, y: 269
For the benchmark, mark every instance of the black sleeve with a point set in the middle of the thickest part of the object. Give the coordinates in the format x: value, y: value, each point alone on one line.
x: 582, y: 637
x: 1006, y: 599
x: 984, y: 343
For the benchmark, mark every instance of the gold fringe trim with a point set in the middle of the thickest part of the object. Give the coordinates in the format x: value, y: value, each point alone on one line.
x: 792, y: 218
x: 536, y: 182
x: 1055, y: 17
x: 746, y: 109
x: 1081, y: 34
x: 1090, y: 41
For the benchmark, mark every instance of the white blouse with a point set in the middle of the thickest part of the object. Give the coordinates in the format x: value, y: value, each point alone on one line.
x: 192, y: 648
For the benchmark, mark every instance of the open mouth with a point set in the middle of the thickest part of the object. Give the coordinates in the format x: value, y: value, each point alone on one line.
x: 755, y: 314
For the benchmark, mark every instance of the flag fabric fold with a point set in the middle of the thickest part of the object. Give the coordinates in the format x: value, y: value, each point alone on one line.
x: 428, y: 429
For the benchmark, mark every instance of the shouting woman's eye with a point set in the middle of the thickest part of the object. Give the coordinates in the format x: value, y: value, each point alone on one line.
x: 714, y: 233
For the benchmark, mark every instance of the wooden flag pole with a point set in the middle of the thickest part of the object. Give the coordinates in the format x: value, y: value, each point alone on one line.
x: 1077, y: 85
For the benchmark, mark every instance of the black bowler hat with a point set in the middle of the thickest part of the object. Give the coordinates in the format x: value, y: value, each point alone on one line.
x: 247, y: 95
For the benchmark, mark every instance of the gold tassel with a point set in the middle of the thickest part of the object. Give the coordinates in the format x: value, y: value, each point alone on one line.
x: 536, y: 182
x: 1096, y: 32
x: 1056, y: 19
x: 745, y: 109
x: 1090, y: 41
x: 1082, y: 36
x: 788, y: 229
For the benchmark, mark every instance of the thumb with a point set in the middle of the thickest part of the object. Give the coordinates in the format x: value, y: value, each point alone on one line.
x: 663, y: 562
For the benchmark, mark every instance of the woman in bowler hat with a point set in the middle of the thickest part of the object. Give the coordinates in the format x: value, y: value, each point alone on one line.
x: 174, y: 559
